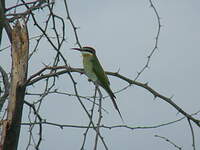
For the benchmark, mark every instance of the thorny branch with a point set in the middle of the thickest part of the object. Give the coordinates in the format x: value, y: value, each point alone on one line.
x: 155, y: 47
x: 132, y: 82
x: 156, y: 41
x: 89, y: 125
x: 36, y: 113
x: 72, y: 24
x: 109, y: 127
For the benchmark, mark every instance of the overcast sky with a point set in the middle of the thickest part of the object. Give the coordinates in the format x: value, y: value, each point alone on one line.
x: 123, y: 34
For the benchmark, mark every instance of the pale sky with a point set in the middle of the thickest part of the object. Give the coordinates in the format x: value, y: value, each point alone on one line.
x: 123, y: 33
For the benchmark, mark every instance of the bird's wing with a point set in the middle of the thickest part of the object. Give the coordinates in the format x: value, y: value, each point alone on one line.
x: 98, y: 70
x: 104, y: 82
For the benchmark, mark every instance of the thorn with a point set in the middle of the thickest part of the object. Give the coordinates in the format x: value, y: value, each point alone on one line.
x: 76, y: 28
x: 177, y: 113
x: 89, y: 80
x: 46, y: 65
x: 118, y: 71
x: 171, y: 97
x: 138, y: 73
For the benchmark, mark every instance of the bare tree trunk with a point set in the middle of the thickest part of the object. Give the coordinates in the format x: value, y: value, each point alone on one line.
x: 11, y: 126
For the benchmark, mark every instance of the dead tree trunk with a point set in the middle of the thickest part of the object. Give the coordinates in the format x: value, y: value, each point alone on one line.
x: 20, y: 50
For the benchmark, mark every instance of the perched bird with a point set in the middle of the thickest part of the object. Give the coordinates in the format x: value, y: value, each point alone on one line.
x: 95, y: 72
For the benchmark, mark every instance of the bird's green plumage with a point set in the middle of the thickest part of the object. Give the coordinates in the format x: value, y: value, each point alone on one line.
x: 98, y: 70
x: 88, y: 67
x: 95, y: 72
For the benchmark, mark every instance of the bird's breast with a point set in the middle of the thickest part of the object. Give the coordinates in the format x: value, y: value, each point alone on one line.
x: 88, y: 68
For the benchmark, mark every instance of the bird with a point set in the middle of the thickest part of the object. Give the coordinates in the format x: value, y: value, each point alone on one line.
x: 95, y: 72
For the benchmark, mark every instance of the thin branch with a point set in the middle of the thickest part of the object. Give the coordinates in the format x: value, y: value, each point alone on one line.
x: 72, y: 23
x: 32, y: 106
x: 27, y: 3
x: 90, y: 124
x: 193, y: 137
x: 4, y: 22
x: 99, y: 117
x: 156, y: 41
x: 15, y: 16
x: 6, y: 87
x: 169, y: 141
x: 89, y: 116
x: 112, y: 127
x: 55, y: 91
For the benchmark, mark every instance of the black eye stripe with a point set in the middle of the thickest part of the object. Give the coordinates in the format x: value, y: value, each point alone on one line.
x: 90, y: 51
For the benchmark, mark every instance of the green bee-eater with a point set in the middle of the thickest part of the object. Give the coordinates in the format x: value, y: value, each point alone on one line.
x: 95, y: 72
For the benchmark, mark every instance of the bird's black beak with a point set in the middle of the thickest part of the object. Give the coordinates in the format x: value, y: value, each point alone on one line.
x: 78, y: 49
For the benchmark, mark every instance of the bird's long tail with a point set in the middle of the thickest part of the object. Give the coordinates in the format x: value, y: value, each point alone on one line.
x: 112, y: 96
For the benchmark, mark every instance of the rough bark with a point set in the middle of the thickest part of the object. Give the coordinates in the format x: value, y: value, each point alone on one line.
x: 11, y: 126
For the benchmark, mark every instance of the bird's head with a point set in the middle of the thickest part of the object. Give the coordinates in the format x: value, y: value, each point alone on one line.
x: 86, y: 50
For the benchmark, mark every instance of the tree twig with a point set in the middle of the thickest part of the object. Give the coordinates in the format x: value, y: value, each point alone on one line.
x: 6, y: 87
x: 193, y: 137
x: 169, y: 141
